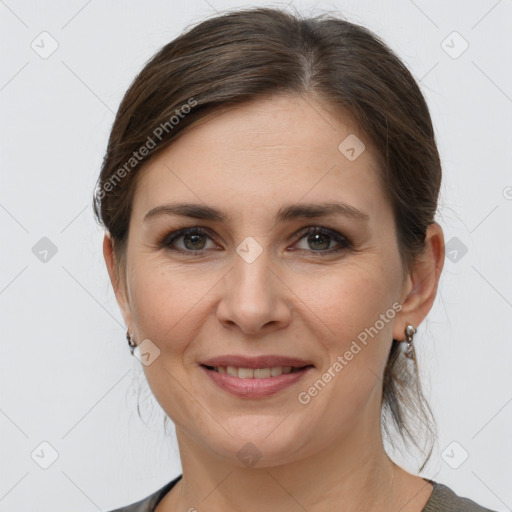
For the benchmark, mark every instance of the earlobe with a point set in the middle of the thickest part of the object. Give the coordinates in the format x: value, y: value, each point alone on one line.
x: 421, y: 285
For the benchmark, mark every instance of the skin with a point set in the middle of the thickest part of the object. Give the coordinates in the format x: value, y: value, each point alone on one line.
x: 249, y: 161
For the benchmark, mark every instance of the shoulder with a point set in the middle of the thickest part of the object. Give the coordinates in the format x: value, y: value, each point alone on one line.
x: 149, y: 503
x: 444, y: 499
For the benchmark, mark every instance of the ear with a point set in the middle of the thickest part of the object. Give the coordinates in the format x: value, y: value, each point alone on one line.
x: 420, y: 288
x: 117, y: 284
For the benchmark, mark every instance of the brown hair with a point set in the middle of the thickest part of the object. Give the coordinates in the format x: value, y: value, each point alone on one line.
x: 248, y: 54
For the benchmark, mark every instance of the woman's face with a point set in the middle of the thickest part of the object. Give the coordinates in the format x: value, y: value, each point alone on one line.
x: 257, y: 283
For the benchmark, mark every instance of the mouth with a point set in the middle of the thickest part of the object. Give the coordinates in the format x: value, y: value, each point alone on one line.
x: 256, y: 373
x: 255, y: 376
x: 255, y: 383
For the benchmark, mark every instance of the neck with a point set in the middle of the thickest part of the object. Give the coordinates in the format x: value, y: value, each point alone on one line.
x: 354, y: 473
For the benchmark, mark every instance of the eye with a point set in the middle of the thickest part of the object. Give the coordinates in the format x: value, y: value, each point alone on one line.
x: 320, y: 239
x: 193, y: 240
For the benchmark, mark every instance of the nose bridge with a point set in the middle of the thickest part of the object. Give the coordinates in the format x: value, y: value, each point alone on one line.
x: 252, y: 298
x: 251, y: 274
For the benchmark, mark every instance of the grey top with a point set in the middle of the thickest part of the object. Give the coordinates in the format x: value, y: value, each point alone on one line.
x: 442, y: 499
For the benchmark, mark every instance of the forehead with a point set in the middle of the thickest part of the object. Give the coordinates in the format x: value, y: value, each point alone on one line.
x: 267, y: 151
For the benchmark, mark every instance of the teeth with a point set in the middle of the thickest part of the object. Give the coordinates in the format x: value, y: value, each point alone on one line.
x: 231, y: 370
x: 243, y: 373
x: 257, y: 373
x: 260, y: 373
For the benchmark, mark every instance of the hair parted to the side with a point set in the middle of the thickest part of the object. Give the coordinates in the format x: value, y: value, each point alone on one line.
x: 255, y: 53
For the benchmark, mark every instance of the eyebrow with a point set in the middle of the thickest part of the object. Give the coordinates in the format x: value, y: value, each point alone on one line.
x: 285, y: 213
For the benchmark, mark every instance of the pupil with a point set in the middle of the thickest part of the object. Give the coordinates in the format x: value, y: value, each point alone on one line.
x: 315, y: 237
x: 196, y: 238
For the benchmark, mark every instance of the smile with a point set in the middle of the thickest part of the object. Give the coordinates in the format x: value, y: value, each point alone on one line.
x: 255, y: 382
x: 254, y: 373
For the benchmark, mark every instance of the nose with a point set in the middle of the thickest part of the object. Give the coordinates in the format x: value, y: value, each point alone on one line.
x: 254, y: 298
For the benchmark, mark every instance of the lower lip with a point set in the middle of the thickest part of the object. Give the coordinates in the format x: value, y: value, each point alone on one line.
x: 255, y: 388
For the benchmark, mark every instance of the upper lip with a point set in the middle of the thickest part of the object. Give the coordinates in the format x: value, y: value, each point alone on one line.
x: 264, y: 361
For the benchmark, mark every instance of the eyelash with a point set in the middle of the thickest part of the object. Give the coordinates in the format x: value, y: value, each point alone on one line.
x: 168, y: 239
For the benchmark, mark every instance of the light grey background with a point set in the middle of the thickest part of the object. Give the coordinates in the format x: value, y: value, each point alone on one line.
x: 66, y: 374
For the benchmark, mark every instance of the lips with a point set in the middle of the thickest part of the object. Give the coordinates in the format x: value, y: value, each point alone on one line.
x: 263, y: 361
x: 240, y: 383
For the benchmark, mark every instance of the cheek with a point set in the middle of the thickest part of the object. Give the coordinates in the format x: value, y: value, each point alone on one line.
x: 168, y: 309
x: 351, y: 315
x: 166, y: 303
x: 347, y: 301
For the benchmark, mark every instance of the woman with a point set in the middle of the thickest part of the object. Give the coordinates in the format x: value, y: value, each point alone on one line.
x: 268, y: 193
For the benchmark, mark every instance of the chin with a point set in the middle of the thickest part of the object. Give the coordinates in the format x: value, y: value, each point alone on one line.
x: 257, y: 440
